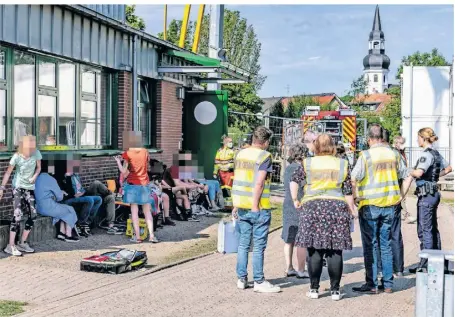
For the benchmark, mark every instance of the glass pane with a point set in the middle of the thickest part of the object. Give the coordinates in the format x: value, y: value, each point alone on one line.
x: 2, y: 64
x: 3, y: 118
x: 47, y: 108
x: 24, y: 95
x: 88, y: 82
x: 144, y: 92
x: 46, y: 74
x: 144, y: 124
x: 88, y: 122
x: 104, y: 110
x: 67, y: 104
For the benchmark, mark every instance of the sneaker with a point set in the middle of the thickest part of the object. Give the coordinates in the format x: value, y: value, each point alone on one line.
x: 61, y: 236
x: 193, y: 218
x: 215, y: 208
x: 266, y: 287
x: 25, y: 247
x: 71, y: 239
x: 242, y: 283
x: 313, y: 294
x: 303, y: 274
x: 290, y: 273
x: 336, y: 295
x: 168, y: 222
x: 113, y: 230
x: 12, y: 250
x: 412, y: 220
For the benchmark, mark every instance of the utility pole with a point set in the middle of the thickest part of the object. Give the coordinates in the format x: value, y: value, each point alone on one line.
x: 287, y: 89
x: 215, y: 39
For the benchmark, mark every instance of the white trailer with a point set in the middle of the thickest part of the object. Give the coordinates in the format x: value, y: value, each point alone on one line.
x: 427, y: 101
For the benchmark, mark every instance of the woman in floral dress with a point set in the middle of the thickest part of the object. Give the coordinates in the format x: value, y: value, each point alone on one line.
x: 326, y: 211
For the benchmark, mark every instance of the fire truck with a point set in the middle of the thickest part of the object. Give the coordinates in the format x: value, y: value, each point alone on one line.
x: 340, y: 124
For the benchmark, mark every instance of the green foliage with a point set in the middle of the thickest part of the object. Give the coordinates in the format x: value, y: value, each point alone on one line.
x: 239, y: 40
x: 132, y: 19
x: 434, y: 58
x: 243, y: 98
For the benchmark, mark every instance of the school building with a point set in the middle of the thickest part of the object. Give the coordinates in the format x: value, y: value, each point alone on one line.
x: 77, y: 76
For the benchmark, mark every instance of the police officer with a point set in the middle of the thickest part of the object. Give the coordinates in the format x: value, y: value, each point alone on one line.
x: 251, y: 200
x: 429, y: 168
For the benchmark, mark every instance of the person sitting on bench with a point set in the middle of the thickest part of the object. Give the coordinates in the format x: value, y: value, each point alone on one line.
x: 92, y: 197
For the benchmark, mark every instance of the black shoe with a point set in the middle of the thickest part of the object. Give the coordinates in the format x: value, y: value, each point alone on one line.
x: 365, y: 289
x: 71, y: 239
x: 417, y: 269
x: 61, y: 236
x: 168, y: 222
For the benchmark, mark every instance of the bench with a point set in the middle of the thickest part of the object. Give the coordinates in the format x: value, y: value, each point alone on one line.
x: 42, y: 230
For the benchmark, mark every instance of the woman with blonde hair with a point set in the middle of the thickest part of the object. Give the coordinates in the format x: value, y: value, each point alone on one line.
x: 27, y: 161
x: 326, y: 210
x: 429, y: 168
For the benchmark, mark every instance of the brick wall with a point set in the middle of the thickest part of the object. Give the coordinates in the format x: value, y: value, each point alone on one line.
x: 92, y: 168
x: 125, y: 110
x: 168, y: 121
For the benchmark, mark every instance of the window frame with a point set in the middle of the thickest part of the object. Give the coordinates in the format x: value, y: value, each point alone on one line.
x: 375, y: 78
x: 150, y: 106
x: 7, y: 84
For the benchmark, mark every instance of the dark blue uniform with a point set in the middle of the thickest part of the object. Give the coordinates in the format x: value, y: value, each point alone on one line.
x: 431, y: 162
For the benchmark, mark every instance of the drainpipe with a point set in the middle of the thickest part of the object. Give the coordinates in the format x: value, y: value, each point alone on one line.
x: 134, y: 79
x: 410, y: 112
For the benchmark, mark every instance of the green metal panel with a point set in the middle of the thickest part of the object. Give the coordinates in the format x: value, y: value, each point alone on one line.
x: 204, y: 123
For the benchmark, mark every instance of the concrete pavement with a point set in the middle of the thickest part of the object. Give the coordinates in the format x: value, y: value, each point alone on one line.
x: 206, y: 287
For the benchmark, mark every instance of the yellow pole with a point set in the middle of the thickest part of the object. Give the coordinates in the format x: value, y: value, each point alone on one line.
x: 165, y: 22
x: 186, y: 17
x: 197, y: 32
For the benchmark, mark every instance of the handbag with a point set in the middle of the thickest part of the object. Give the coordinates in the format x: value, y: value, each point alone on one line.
x: 228, y: 239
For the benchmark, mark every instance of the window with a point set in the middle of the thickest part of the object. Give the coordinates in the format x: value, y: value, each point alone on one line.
x: 376, y: 45
x: 145, y: 105
x: 375, y: 78
x: 95, y: 109
x: 24, y: 95
x: 60, y: 102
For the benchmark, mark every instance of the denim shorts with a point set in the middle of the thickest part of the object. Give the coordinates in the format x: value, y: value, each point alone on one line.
x: 137, y: 194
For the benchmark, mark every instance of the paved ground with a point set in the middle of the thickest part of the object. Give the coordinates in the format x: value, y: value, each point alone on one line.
x: 206, y: 287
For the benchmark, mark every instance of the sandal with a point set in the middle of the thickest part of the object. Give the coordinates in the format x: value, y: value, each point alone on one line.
x: 134, y: 240
x: 154, y: 240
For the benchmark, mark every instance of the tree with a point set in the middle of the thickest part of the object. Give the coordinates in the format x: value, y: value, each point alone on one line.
x: 132, y: 19
x: 434, y: 58
x: 240, y: 41
x: 243, y: 98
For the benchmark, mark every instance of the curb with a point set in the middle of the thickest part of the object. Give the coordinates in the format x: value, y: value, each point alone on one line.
x: 197, y: 257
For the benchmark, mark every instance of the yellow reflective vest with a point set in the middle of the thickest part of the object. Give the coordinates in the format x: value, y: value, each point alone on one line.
x: 224, y: 160
x: 324, y: 177
x: 380, y: 185
x: 247, y: 164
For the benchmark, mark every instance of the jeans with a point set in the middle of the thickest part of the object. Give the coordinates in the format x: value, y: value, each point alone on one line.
x: 90, y: 208
x: 376, y: 222
x: 427, y: 223
x: 99, y: 189
x: 396, y: 243
x: 334, y: 267
x: 214, y: 187
x: 255, y: 224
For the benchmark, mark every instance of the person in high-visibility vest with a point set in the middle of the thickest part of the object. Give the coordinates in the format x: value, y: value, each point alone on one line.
x: 325, y: 212
x: 429, y: 168
x: 251, y: 200
x: 376, y: 176
x: 224, y: 162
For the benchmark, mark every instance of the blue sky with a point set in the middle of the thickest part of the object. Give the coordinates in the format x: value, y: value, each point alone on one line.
x: 320, y: 48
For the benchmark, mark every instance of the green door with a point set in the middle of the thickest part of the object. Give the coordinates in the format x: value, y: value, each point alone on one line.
x: 204, y: 123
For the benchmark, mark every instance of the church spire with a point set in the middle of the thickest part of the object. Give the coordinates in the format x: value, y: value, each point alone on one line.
x: 377, y: 20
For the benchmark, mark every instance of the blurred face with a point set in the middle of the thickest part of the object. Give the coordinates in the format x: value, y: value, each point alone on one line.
x: 420, y: 141
x: 28, y: 146
x: 228, y: 143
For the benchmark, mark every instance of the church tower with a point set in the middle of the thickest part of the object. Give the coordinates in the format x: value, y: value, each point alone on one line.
x: 376, y: 63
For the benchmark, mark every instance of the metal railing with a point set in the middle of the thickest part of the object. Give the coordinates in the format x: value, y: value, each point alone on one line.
x: 413, y: 154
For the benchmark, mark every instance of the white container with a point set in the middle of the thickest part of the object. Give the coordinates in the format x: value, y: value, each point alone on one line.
x: 228, y: 239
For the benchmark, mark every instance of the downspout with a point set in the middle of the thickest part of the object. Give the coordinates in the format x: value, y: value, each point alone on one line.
x: 134, y: 82
x: 450, y: 114
x: 410, y: 113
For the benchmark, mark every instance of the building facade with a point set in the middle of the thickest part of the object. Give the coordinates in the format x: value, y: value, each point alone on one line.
x: 376, y: 63
x: 77, y: 76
